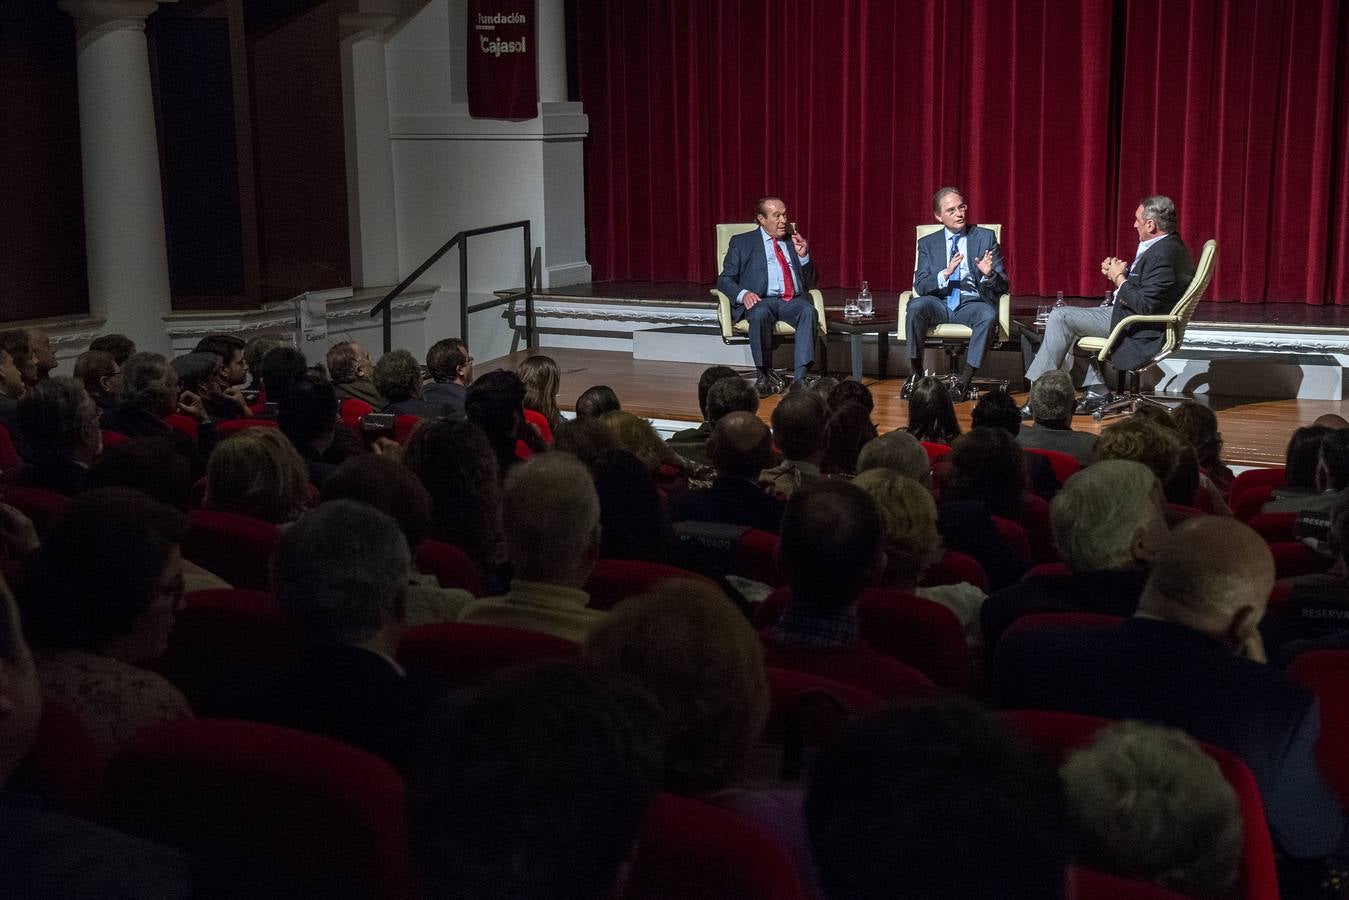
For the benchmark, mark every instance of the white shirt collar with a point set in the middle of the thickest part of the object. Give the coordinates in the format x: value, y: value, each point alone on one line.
x: 1144, y: 245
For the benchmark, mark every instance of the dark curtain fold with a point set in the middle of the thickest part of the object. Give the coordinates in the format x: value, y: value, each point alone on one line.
x: 1053, y: 116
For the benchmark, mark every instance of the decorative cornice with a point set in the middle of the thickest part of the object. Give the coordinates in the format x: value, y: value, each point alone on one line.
x: 591, y: 313
x: 94, y: 17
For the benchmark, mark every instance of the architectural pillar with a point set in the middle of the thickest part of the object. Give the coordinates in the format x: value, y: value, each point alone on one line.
x: 550, y: 27
x: 123, y: 206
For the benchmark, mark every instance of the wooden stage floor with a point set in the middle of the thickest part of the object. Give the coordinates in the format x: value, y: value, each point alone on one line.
x: 1255, y: 430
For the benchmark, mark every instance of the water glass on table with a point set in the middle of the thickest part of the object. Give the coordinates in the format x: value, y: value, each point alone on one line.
x: 1042, y: 315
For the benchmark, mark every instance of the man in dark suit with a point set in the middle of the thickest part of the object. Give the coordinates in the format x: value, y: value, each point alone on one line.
x: 1192, y: 658
x: 1159, y: 275
x: 768, y: 278
x: 959, y: 279
x: 740, y: 447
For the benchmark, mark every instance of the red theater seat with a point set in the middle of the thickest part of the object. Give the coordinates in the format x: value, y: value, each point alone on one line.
x: 38, y: 504
x: 237, y: 548
x: 1248, y: 503
x: 183, y: 424
x: 452, y: 567
x: 1274, y: 527
x: 614, y: 580
x: 351, y: 412
x: 64, y: 767
x: 227, y: 427
x: 465, y: 652
x: 10, y: 461
x: 1326, y: 672
x: 1065, y: 465
x: 1272, y: 477
x: 1016, y: 539
x: 112, y: 439
x: 954, y: 568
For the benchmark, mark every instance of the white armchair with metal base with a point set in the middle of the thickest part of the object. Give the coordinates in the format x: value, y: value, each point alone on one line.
x: 1128, y: 396
x: 953, y: 338
x: 732, y: 331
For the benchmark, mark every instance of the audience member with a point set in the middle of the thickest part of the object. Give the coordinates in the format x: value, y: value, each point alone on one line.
x: 257, y: 473
x: 593, y: 403
x: 1146, y: 802
x: 99, y: 597
x: 849, y: 429
x: 711, y: 375
x: 119, y: 345
x: 725, y: 393
x: 932, y: 415
x: 254, y: 351
x: 830, y: 550
x: 1192, y: 658
x: 200, y: 374
x: 1109, y: 525
x: 59, y: 423
x: 398, y: 379
x: 997, y: 409
x: 1332, y: 478
x: 1333, y: 421
x: 1199, y: 425
x: 937, y: 801
x: 899, y: 452
x: 740, y: 446
x: 823, y: 385
x: 451, y: 368
x: 308, y: 419
x: 1300, y: 460
x: 495, y: 403
x: 350, y: 368
x: 101, y: 376
x: 14, y: 359
x: 542, y: 378
x: 851, y: 392
x: 1052, y: 400
x: 987, y: 465
x: 550, y: 514
x: 535, y: 785
x: 585, y: 438
x: 633, y: 520
x: 1166, y: 453
x: 40, y: 346
x: 281, y: 367
x: 800, y: 429
x: 149, y: 394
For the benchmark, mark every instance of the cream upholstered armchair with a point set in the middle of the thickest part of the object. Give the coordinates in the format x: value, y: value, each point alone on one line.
x: 731, y: 330
x: 953, y: 338
x: 1129, y: 396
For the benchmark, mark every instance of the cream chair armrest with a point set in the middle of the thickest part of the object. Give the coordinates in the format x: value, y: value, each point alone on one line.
x: 901, y: 313
x: 724, y: 314
x: 1126, y: 322
x: 818, y: 299
x: 1004, y: 318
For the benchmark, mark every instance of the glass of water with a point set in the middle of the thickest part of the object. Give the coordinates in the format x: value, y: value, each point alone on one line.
x: 864, y: 307
x: 1042, y: 314
x: 850, y: 310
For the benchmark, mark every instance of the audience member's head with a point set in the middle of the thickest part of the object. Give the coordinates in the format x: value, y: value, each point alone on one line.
x: 637, y: 436
x: 800, y: 426
x: 40, y: 345
x: 448, y: 361
x: 455, y: 464
x: 256, y: 349
x: 11, y: 379
x: 382, y: 483
x: 108, y: 578
x: 257, y: 473
x: 1301, y: 457
x: 534, y: 785
x: 15, y: 343
x: 988, y: 464
x: 932, y: 415
x: 119, y: 345
x: 542, y: 377
x: 198, y: 373
x: 281, y: 367
x: 308, y: 413
x: 689, y: 647
x: 1199, y: 425
x: 339, y: 574
x: 1214, y: 576
x: 348, y: 362
x: 1146, y: 802
x: 831, y: 545
x: 495, y: 403
x: 740, y: 446
x: 997, y: 409
x: 711, y: 375
x: 596, y: 401
x: 824, y: 386
x: 849, y: 430
x: 633, y: 521
x: 585, y: 438
x: 59, y: 420
x: 730, y: 394
x: 550, y: 514
x: 150, y: 465
x: 230, y: 350
x: 1153, y: 415
x: 898, y: 451
x: 1109, y: 516
x: 1332, y: 467
x: 1161, y: 449
x: 1052, y: 399
x: 909, y: 517
x: 1333, y: 421
x: 100, y: 374
x: 851, y: 392
x: 937, y: 801
x: 397, y: 376
x: 149, y: 384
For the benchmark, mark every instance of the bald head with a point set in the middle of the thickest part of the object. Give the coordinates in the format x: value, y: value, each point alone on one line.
x: 1211, y: 570
x: 740, y: 445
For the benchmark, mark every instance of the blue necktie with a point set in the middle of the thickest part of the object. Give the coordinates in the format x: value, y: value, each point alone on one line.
x: 953, y: 298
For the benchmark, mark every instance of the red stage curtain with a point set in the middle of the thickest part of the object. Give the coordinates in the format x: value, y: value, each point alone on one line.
x: 855, y: 112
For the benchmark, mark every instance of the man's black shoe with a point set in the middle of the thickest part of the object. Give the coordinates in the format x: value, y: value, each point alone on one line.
x: 1026, y: 414
x: 763, y: 385
x: 907, y: 391
x: 777, y: 381
x: 960, y: 392
x: 1089, y: 404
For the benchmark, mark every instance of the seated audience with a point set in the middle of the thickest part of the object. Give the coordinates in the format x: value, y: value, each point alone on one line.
x: 593, y: 403
x: 45, y: 854
x: 308, y: 418
x: 989, y: 466
x: 228, y: 391
x: 637, y: 436
x: 1331, y: 480
x: 1300, y: 460
x: 851, y: 392
x: 932, y: 415
x: 1146, y: 802
x: 398, y: 379
x: 119, y: 345
x: 830, y: 550
x: 899, y: 452
x: 711, y: 375
x: 997, y: 409
x: 149, y: 394
x: 44, y: 358
x: 633, y: 520
x: 254, y: 351
x: 550, y: 514
x: 1051, y: 404
x: 535, y: 785
x: 542, y: 378
x: 740, y: 446
x: 1109, y: 525
x: 451, y: 368
x: 1192, y: 658
x: 14, y: 359
x: 1170, y: 457
x: 800, y: 430
x: 912, y: 544
x: 350, y: 368
x: 281, y: 367
x: 1199, y: 425
x: 59, y: 423
x: 99, y: 597
x: 937, y: 801
x: 850, y: 428
x: 495, y: 403
x: 257, y: 473
x: 726, y: 393
x: 382, y: 483
x: 200, y: 374
x: 586, y: 438
x: 339, y: 575
x: 101, y: 376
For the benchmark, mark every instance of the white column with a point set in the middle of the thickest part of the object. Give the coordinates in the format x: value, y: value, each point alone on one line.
x: 371, y: 213
x: 123, y: 206
x: 550, y: 27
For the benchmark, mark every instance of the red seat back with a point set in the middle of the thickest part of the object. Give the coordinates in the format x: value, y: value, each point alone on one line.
x: 1326, y: 672
x: 1065, y: 465
x: 452, y: 567
x: 1202, y: 500
x: 1056, y: 569
x: 935, y: 451
x: 614, y: 580
x: 1293, y: 558
x: 1274, y: 527
x: 757, y: 557
x: 237, y: 548
x: 10, y: 461
x: 954, y: 568
x: 114, y: 439
x: 690, y: 849
x: 351, y: 412
x: 182, y: 424
x: 281, y: 812
x: 1039, y: 528
x: 227, y: 427
x: 1248, y: 503
x: 796, y: 695
x: 403, y: 426
x: 38, y: 504
x: 1089, y: 884
x: 466, y: 652
x: 1271, y: 477
x: 64, y: 766
x: 1014, y: 536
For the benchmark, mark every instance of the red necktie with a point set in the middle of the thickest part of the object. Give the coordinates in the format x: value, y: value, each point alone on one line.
x: 788, y: 288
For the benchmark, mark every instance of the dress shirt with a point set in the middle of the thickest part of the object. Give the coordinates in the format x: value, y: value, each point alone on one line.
x: 775, y: 270
x: 1142, y: 248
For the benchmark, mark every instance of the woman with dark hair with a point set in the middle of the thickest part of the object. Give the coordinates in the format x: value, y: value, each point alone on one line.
x: 456, y: 464
x: 495, y: 403
x: 1300, y: 459
x: 851, y: 392
x: 987, y: 465
x: 850, y: 428
x: 633, y: 520
x: 100, y: 596
x: 932, y: 416
x: 1199, y: 425
x: 542, y: 378
x: 595, y: 402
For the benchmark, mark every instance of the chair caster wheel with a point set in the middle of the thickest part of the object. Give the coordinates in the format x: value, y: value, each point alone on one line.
x: 1098, y: 415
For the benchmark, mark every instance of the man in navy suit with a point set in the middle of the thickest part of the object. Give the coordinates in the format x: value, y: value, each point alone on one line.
x: 767, y: 276
x: 959, y: 279
x: 1159, y: 275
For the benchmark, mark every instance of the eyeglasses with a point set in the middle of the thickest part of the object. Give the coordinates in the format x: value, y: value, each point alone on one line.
x: 961, y: 208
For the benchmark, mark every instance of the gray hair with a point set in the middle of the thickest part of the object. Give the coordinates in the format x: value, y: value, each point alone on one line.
x: 148, y: 381
x: 54, y: 415
x: 1098, y: 512
x: 898, y: 451
x: 339, y: 573
x: 1161, y: 211
x: 942, y: 192
x: 1052, y: 397
x: 550, y: 514
x: 397, y: 376
x: 341, y: 362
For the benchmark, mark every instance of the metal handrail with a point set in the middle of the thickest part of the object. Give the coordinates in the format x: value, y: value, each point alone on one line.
x: 461, y: 238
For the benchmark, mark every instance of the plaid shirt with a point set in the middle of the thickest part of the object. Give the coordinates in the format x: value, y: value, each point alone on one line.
x: 800, y: 627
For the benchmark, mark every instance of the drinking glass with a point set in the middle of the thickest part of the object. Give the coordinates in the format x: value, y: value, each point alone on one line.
x: 864, y: 306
